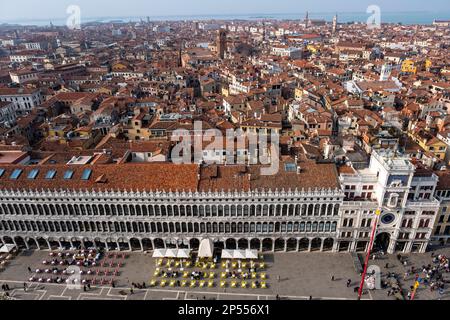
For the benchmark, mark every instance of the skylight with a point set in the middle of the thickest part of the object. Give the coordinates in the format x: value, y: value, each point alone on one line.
x: 50, y: 174
x: 68, y: 175
x: 290, y: 167
x: 33, y: 174
x: 86, y: 174
x: 16, y: 174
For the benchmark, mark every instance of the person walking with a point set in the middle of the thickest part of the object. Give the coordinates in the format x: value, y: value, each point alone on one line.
x: 29, y: 270
x: 332, y: 278
x: 25, y: 287
x: 349, y: 282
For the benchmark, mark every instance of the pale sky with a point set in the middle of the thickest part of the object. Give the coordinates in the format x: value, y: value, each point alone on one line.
x: 48, y: 9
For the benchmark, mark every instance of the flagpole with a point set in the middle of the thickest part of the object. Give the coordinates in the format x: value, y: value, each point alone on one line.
x: 369, y: 250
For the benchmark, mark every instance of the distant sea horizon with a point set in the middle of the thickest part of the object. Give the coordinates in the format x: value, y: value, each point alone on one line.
x: 407, y: 18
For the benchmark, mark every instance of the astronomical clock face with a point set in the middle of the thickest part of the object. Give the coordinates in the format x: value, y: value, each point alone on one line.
x: 388, y: 218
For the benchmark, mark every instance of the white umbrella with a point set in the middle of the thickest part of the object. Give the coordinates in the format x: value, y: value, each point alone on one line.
x: 227, y: 254
x: 251, y: 254
x: 239, y: 254
x: 7, y: 248
x: 206, y: 249
x: 159, y: 253
x: 183, y: 253
x: 171, y: 253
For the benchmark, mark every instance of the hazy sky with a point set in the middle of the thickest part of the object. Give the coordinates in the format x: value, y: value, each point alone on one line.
x: 46, y: 9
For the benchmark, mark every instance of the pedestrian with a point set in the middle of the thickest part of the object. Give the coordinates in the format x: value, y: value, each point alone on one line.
x: 29, y: 270
x: 277, y: 297
x: 3, y: 287
x: 389, y: 293
x: 387, y: 265
x: 409, y: 295
x: 131, y: 291
x: 349, y: 282
x: 278, y: 278
x: 7, y: 287
x: 310, y: 297
x: 143, y: 285
x: 332, y: 278
x: 89, y: 286
x: 84, y: 288
x: 25, y: 287
x: 113, y: 285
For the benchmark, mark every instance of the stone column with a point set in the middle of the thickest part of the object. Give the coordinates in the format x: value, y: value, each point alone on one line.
x: 273, y: 245
x: 335, y: 246
x: 285, y: 245
x: 106, y: 246
x: 408, y: 247
x: 48, y: 244
x: 298, y: 245
x: 142, y: 246
x: 391, y: 247
x: 261, y: 245
x: 309, y: 245
x: 118, y: 245
x: 321, y: 245
x: 59, y: 242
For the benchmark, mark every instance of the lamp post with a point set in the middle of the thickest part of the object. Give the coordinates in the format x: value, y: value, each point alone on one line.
x: 369, y: 250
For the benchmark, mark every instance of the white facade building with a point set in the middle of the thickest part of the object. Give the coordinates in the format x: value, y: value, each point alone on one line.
x: 147, y: 206
x: 405, y: 197
x: 24, y: 100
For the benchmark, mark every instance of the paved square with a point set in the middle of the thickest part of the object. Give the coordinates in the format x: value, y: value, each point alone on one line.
x: 295, y: 276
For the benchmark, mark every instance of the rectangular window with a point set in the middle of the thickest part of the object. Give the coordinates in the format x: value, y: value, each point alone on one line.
x: 33, y: 174
x: 68, y: 175
x: 16, y: 174
x: 86, y: 174
x: 50, y: 174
